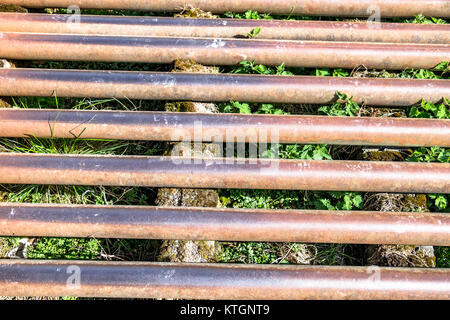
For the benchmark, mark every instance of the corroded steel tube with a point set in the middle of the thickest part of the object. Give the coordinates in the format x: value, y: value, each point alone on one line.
x: 351, y: 8
x: 359, y: 227
x: 225, y: 173
x: 168, y: 126
x: 218, y: 281
x: 218, y: 87
x: 226, y: 28
x: 38, y: 46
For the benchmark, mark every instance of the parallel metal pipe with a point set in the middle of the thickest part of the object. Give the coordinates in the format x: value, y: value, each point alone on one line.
x: 167, y: 126
x: 358, y: 227
x: 218, y: 87
x: 351, y: 8
x: 218, y: 281
x: 225, y: 173
x: 38, y: 46
x: 226, y: 28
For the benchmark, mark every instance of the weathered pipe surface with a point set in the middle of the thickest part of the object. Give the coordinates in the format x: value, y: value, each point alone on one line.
x: 315, y: 226
x: 350, y: 8
x: 218, y: 87
x: 225, y: 173
x: 169, y: 126
x: 226, y: 28
x: 38, y: 46
x: 218, y: 281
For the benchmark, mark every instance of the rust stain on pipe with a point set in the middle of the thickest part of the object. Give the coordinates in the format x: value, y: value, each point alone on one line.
x: 231, y: 173
x: 35, y: 46
x: 218, y: 87
x: 351, y: 8
x: 169, y: 126
x: 314, y: 226
x: 226, y: 28
x: 219, y: 281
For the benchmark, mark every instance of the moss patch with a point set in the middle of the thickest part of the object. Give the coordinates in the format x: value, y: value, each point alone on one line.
x: 189, y: 251
x: 4, y: 104
x: 192, y: 12
x: 3, y: 196
x: 192, y: 66
x: 386, y: 155
x: 402, y: 256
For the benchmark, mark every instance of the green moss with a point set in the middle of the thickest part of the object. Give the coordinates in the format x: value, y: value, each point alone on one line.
x: 416, y: 202
x: 12, y: 8
x: 3, y: 196
x: 207, y: 252
x: 386, y: 155
x: 4, y: 104
x: 65, y: 248
x: 180, y: 106
x: 191, y: 12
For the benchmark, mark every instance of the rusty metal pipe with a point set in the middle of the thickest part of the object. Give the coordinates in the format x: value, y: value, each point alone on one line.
x: 314, y: 226
x: 35, y: 46
x: 231, y: 173
x: 218, y: 87
x: 226, y: 28
x: 350, y: 8
x: 218, y: 281
x: 168, y: 126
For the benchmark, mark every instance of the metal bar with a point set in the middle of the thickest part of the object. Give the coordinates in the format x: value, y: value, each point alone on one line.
x: 232, y: 173
x: 351, y: 8
x: 35, y: 46
x: 314, y: 226
x: 168, y: 126
x: 218, y: 281
x: 226, y: 28
x: 218, y: 87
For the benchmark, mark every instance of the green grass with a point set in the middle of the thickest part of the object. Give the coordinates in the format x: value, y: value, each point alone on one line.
x: 68, y: 248
x: 344, y: 106
x: 254, y: 15
x: 250, y: 252
x: 65, y: 248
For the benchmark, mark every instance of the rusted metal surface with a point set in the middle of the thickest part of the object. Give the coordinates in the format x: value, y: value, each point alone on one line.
x: 232, y: 173
x: 218, y: 281
x: 359, y: 227
x: 168, y: 126
x: 351, y: 8
x: 38, y: 46
x: 226, y: 28
x: 218, y: 87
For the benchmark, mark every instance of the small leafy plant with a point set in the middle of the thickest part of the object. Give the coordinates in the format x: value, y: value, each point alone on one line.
x: 430, y: 110
x: 420, y: 18
x: 344, y: 106
x: 252, y: 34
x: 433, y: 154
x: 249, y: 14
x: 249, y: 67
